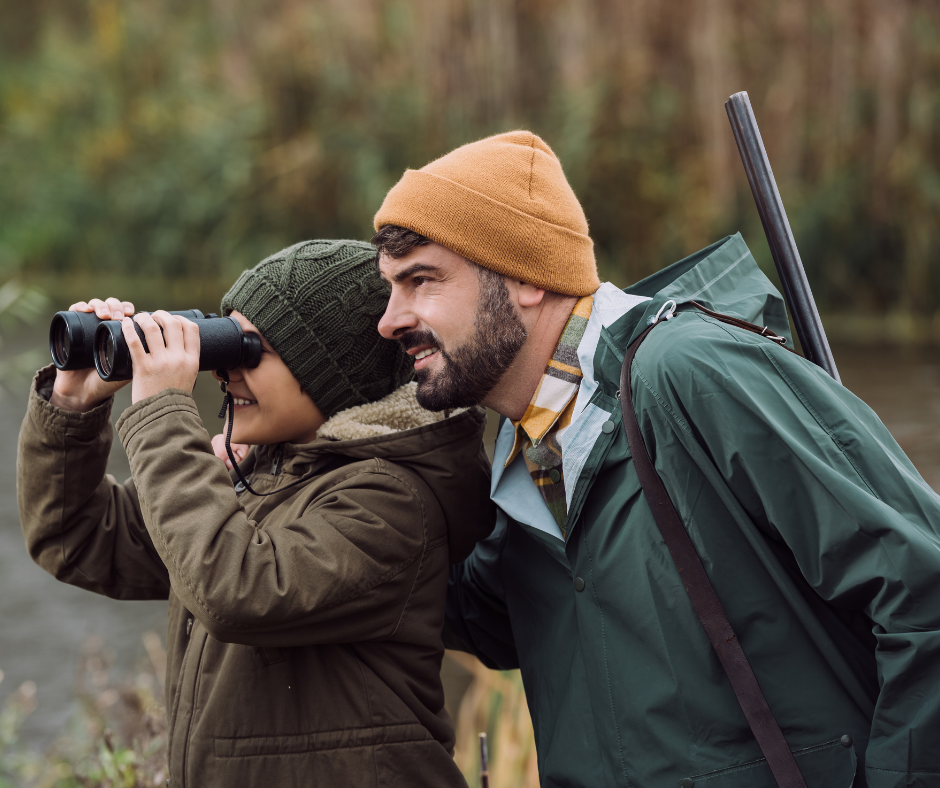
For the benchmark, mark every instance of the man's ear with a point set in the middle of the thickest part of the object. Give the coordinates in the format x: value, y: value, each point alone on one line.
x: 530, y: 295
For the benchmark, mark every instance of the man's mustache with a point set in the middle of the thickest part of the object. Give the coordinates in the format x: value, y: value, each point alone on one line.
x: 418, y: 338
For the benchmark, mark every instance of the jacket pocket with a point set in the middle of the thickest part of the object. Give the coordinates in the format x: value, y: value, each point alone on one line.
x: 293, y: 744
x: 828, y: 765
x: 272, y: 656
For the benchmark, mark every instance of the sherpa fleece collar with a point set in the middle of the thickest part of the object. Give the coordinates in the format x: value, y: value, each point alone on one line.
x: 397, y: 412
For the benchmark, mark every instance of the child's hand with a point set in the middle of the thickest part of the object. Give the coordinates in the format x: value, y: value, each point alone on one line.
x: 81, y: 389
x: 173, y: 360
x: 240, y: 450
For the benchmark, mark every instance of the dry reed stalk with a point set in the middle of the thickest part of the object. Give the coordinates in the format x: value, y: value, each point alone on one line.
x: 311, y: 111
x: 495, y: 704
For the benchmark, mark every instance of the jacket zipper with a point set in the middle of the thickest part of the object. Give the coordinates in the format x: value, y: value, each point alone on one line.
x: 276, y: 462
x: 192, y: 710
x: 174, y: 712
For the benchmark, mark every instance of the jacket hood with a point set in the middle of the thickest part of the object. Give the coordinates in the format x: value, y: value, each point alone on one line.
x: 445, y: 449
x: 724, y: 277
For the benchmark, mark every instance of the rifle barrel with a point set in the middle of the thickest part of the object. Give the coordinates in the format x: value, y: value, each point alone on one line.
x: 796, y: 290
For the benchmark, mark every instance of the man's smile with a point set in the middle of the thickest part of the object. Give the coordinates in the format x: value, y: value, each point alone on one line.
x: 422, y: 356
x: 421, y: 346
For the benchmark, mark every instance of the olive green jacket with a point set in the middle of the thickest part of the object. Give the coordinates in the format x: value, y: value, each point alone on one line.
x: 820, y: 537
x: 304, y: 643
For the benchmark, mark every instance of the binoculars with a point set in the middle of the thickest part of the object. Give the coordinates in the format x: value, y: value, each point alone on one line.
x: 81, y: 340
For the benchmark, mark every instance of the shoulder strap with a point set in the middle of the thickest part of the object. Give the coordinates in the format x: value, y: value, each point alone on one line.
x: 702, y: 594
x: 739, y: 323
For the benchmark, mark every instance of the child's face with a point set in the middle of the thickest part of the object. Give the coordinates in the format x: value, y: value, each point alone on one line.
x: 270, y: 405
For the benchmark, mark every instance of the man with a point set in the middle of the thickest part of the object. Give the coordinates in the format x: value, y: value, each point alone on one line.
x: 818, y: 534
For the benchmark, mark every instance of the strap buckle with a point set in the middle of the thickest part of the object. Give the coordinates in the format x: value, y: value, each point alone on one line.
x: 660, y: 316
x: 773, y: 337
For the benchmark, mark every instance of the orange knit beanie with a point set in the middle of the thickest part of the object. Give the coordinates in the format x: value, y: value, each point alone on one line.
x: 504, y: 203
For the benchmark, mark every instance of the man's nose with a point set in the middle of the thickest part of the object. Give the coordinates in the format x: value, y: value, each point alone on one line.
x: 398, y: 318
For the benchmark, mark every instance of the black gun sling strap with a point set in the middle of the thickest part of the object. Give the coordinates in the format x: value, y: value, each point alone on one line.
x: 702, y: 594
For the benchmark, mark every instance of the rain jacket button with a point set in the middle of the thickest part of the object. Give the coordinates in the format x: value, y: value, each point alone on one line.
x: 607, y: 427
x: 578, y: 584
x: 686, y: 782
x: 240, y: 487
x: 846, y: 741
x: 554, y: 475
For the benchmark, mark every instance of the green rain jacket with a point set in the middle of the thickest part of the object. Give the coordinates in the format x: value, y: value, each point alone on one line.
x: 820, y: 537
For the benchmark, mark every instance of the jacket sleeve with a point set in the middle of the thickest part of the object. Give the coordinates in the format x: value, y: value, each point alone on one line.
x: 338, y: 567
x: 477, y: 619
x: 815, y: 467
x: 80, y: 525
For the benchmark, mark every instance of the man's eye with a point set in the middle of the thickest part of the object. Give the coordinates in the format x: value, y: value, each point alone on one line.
x: 419, y: 280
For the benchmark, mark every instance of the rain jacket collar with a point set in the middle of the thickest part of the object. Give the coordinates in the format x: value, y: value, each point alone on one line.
x: 724, y: 277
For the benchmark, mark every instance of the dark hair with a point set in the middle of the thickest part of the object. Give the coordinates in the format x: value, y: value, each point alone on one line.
x: 397, y: 242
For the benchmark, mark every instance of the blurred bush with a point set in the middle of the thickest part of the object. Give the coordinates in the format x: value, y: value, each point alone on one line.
x: 20, y: 305
x: 495, y: 704
x: 190, y: 139
x: 117, y: 735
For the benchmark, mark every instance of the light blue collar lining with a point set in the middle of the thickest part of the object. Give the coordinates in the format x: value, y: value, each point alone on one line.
x: 512, y: 488
x: 610, y: 304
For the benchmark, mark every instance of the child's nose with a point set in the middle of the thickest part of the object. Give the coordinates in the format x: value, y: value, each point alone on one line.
x: 233, y: 374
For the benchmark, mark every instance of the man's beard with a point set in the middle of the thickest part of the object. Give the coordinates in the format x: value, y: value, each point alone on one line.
x: 471, y: 371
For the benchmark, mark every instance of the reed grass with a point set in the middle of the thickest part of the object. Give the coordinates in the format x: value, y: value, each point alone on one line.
x: 495, y: 704
x: 171, y: 139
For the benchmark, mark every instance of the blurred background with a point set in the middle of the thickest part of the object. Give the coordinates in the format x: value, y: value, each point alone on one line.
x: 152, y: 150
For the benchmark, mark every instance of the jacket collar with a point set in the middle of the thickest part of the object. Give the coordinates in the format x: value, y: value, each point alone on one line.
x: 511, y: 486
x: 723, y: 276
x: 610, y: 305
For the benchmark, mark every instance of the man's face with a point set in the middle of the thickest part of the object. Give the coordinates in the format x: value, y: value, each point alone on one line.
x: 457, y: 320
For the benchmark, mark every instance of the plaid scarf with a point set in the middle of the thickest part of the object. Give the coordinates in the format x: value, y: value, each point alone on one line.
x: 549, y: 415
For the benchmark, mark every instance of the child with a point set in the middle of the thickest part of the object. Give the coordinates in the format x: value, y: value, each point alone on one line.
x: 304, y: 642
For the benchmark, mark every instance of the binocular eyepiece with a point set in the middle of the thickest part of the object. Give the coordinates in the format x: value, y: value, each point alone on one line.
x: 81, y: 340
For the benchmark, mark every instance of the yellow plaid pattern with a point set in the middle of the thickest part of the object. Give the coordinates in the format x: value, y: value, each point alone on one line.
x: 549, y: 414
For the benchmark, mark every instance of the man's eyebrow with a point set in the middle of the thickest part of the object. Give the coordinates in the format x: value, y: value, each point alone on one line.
x: 401, y: 276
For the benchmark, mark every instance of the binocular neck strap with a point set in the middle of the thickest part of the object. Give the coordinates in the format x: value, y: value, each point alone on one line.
x: 228, y: 404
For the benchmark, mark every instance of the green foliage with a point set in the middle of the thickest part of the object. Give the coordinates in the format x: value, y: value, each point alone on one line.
x: 118, y: 156
x: 20, y: 305
x: 167, y: 139
x: 115, y: 739
x: 117, y: 734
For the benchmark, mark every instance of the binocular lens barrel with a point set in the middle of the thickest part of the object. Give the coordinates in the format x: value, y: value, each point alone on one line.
x: 222, y: 345
x: 72, y: 337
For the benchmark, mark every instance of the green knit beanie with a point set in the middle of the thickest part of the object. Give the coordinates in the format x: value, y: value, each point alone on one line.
x: 319, y: 303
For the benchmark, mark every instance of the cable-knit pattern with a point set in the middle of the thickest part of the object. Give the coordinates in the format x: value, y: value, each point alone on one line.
x: 319, y: 304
